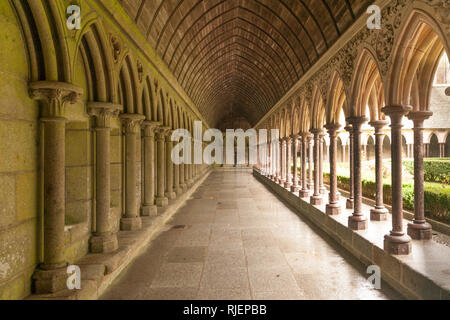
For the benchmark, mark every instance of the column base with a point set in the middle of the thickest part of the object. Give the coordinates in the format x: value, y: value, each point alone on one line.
x: 323, y: 190
x: 357, y: 223
x: 316, y: 200
x: 50, y: 281
x: 162, y: 202
x: 420, y: 231
x: 281, y: 182
x: 311, y: 186
x: 171, y: 195
x: 190, y: 182
x: 338, y: 195
x: 295, y: 188
x: 183, y: 187
x: 287, y: 185
x: 378, y: 214
x: 333, y: 209
x: 397, y: 245
x: 304, y: 193
x: 130, y: 224
x: 149, y: 211
x: 104, y: 243
x: 179, y: 191
x: 349, y: 204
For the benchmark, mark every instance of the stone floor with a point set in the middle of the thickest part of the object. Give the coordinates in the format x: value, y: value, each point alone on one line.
x: 235, y: 240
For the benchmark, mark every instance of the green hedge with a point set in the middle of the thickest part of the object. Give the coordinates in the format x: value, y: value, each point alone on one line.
x: 436, y: 197
x: 435, y: 170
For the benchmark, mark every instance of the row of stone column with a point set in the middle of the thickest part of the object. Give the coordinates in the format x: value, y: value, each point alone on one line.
x: 171, y: 180
x: 279, y: 163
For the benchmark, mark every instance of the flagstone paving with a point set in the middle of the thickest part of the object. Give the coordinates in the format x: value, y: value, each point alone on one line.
x: 234, y: 240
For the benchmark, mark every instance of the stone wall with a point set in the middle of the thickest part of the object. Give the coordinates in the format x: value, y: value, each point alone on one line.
x: 19, y: 163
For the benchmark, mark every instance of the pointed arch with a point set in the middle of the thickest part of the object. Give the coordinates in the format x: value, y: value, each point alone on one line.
x: 367, y: 92
x: 415, y: 59
x: 336, y: 100
x: 317, y: 109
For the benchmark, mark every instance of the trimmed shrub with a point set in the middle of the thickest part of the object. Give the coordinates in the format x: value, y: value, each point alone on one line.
x: 436, y: 196
x: 435, y: 170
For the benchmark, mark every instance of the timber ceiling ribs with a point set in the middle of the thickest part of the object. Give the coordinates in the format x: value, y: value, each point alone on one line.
x: 241, y: 55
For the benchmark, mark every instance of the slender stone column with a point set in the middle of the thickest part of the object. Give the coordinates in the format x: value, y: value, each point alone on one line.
x: 311, y: 157
x: 379, y: 213
x: 295, y: 186
x: 397, y: 242
x: 350, y: 200
x: 316, y: 198
x: 104, y: 239
x: 161, y: 199
x: 170, y: 194
x: 283, y: 162
x: 419, y: 229
x: 176, y: 180
x: 50, y: 276
x: 357, y: 221
x: 304, y: 193
x: 322, y: 188
x: 148, y: 204
x: 333, y: 207
x: 131, y: 124
x: 288, y: 182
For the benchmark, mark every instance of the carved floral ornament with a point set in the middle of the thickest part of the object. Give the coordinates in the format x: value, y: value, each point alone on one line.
x: 54, y: 96
x: 131, y: 123
x: 103, y: 113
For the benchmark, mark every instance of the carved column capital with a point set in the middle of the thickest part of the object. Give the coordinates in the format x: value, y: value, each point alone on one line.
x: 161, y: 133
x: 418, y: 117
x: 149, y: 128
x: 332, y: 128
x: 357, y: 122
x: 131, y: 122
x: 396, y: 113
x: 103, y: 112
x: 54, y: 96
x: 379, y: 125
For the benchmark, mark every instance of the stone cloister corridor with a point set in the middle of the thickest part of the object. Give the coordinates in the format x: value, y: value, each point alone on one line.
x: 241, y: 243
x: 224, y: 150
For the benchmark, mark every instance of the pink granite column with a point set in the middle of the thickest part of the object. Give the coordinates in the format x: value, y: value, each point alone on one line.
x: 419, y: 229
x: 333, y: 207
x: 350, y: 200
x: 379, y: 213
x: 357, y: 221
x: 288, y: 182
x: 316, y: 198
x: 304, y: 193
x: 51, y: 276
x: 397, y: 242
x: 310, y: 158
x: 295, y: 186
x: 323, y: 189
x: 283, y: 162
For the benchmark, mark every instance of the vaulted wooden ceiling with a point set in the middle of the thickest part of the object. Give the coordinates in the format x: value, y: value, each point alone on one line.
x: 241, y: 56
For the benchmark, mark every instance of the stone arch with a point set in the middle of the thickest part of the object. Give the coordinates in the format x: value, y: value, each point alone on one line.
x: 305, y: 124
x: 127, y: 88
x: 98, y: 63
x: 317, y: 109
x: 45, y: 54
x: 367, y: 88
x: 336, y: 99
x: 434, y: 146
x: 415, y: 59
